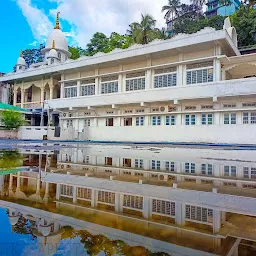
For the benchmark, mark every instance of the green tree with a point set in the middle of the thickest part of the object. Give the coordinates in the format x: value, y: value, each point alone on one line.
x: 98, y: 43
x: 199, y: 3
x: 145, y: 31
x: 12, y: 119
x: 172, y: 9
x: 76, y: 52
x: 244, y: 20
x: 187, y: 26
x: 118, y: 41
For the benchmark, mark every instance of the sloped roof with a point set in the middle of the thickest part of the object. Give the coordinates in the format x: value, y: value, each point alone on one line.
x: 4, y: 106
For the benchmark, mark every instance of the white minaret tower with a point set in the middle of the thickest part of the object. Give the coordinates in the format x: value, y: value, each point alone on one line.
x: 21, y: 63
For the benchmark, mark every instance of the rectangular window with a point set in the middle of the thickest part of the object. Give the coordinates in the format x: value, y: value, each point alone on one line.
x: 163, y: 207
x: 170, y: 166
x: 197, y: 213
x: 190, y: 168
x: 135, y: 202
x: 110, y: 121
x: 190, y: 120
x: 127, y: 162
x: 156, y: 120
x: 87, y: 122
x: 167, y: 80
x: 249, y: 118
x: 207, y: 169
x: 135, y: 84
x: 155, y: 165
x: 69, y: 123
x: 170, y: 120
x: 139, y: 163
x: 109, y: 87
x: 207, y: 119
x: 140, y: 121
x: 128, y: 121
x: 199, y: 73
x: 108, y: 161
x: 230, y: 118
x: 230, y: 171
x: 88, y: 89
x: 70, y: 92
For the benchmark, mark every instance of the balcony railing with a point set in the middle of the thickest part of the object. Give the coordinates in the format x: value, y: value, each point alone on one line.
x: 35, y: 104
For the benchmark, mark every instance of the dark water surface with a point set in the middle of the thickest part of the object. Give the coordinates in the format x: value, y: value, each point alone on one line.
x: 95, y: 199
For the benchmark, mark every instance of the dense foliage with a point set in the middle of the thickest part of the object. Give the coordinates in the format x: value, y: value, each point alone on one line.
x: 244, y: 20
x: 185, y: 18
x: 10, y: 159
x: 12, y: 119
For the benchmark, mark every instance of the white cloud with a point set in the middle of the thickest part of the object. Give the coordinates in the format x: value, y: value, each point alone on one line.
x: 89, y: 16
x: 37, y: 20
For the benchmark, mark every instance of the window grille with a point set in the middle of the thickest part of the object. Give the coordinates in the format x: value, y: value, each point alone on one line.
x: 201, y: 214
x: 163, y: 207
x: 249, y: 104
x: 140, y: 121
x: 165, y: 70
x: 229, y: 105
x: 106, y: 197
x: 135, y: 202
x: 66, y: 190
x: 87, y: 90
x: 84, y: 193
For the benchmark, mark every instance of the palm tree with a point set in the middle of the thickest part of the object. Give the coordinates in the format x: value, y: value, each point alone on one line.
x: 143, y: 32
x: 172, y: 9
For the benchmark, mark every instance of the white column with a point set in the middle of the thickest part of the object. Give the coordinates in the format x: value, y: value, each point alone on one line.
x: 147, y: 207
x: 149, y: 84
x: 118, y: 203
x: 22, y: 91
x: 120, y: 83
x: 97, y: 86
x: 46, y: 194
x: 74, y: 194
x: 18, y: 181
x: 51, y: 91
x: 10, y: 181
x: 216, y: 221
x: 62, y: 93
x: 180, y: 212
x: 78, y: 88
x: 180, y: 76
x: 217, y: 69
x: 38, y: 181
x: 42, y: 96
x: 94, y: 198
x: 58, y: 192
x: 14, y: 97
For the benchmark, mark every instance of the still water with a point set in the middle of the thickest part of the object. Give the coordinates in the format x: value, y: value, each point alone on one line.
x: 98, y: 199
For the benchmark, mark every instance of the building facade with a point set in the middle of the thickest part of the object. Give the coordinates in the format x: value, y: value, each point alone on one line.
x: 215, y: 7
x: 191, y: 88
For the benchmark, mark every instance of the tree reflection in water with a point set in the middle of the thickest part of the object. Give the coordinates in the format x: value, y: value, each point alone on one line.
x: 94, y: 244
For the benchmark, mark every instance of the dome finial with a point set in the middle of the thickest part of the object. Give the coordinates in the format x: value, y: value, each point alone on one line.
x: 21, y: 53
x: 57, y: 26
x: 53, y: 44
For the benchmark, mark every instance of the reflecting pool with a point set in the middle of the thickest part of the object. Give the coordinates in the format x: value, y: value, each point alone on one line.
x: 101, y: 199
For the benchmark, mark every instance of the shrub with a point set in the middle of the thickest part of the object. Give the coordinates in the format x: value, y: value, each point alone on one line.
x: 12, y: 119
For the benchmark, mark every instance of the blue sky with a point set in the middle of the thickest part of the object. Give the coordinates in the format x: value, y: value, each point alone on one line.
x: 26, y: 23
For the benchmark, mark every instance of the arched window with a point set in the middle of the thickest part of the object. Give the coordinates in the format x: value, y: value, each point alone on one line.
x: 59, y: 55
x: 52, y: 60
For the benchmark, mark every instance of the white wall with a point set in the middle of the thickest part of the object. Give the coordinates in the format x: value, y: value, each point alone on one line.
x: 32, y: 133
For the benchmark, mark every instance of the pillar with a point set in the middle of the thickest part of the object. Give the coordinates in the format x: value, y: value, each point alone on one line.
x: 149, y: 79
x: 94, y: 198
x: 216, y: 221
x: 62, y: 92
x: 118, y: 203
x: 18, y: 181
x: 14, y: 97
x: 58, y: 192
x: 180, y: 212
x: 42, y: 96
x: 74, y: 194
x: 11, y: 182
x: 46, y: 194
x: 38, y: 181
x: 51, y: 92
x: 22, y: 91
x: 78, y: 88
x: 147, y: 207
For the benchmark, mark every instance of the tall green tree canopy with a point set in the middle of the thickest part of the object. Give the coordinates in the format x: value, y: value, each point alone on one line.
x: 171, y: 9
x: 144, y: 31
x: 244, y: 20
x: 12, y: 119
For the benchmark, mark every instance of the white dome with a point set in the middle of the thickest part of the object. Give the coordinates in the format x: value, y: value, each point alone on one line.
x: 13, y: 220
x: 21, y: 61
x: 53, y: 54
x: 45, y: 230
x: 60, y: 40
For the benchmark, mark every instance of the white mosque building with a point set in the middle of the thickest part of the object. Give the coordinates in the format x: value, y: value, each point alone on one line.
x: 190, y: 88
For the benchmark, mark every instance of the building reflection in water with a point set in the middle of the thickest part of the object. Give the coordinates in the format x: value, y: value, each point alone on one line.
x: 174, y: 200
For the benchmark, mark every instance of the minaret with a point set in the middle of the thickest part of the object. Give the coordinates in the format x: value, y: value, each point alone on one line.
x: 57, y: 26
x: 21, y: 63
